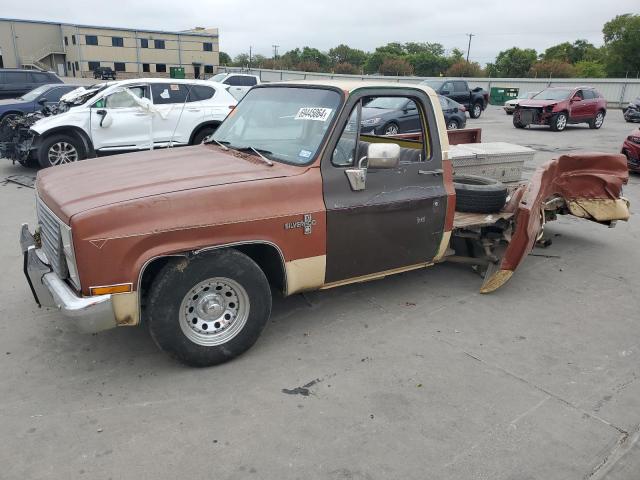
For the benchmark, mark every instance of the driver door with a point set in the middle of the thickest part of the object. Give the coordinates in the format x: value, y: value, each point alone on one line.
x: 119, y: 123
x: 397, y: 220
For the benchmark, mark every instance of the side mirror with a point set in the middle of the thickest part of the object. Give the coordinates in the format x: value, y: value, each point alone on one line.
x: 42, y: 101
x: 383, y: 155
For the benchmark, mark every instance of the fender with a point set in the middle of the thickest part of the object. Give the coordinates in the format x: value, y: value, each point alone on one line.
x: 69, y: 129
x: 208, y: 123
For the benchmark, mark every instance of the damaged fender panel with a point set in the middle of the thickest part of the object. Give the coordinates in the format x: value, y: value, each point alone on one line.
x: 590, y: 185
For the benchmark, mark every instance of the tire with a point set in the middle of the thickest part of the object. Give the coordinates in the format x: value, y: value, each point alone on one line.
x: 476, y: 110
x: 596, y: 123
x: 453, y: 124
x: 186, y: 316
x: 59, y: 149
x: 479, y: 194
x: 203, y: 133
x: 559, y: 122
x: 516, y: 121
x: 391, y: 128
x: 509, y: 113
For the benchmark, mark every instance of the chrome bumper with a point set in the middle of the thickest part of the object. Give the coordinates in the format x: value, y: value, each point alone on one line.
x: 87, y: 314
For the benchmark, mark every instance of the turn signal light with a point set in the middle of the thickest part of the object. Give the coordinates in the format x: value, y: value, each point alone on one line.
x: 111, y: 289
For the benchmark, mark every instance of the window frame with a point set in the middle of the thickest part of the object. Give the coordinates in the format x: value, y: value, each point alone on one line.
x: 147, y: 69
x: 144, y: 43
x: 87, y: 42
x: 116, y: 64
x: 117, y: 40
x: 207, y: 46
x: 89, y: 63
x: 164, y: 67
x: 157, y: 42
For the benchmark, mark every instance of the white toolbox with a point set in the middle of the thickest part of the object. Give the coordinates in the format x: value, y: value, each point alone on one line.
x: 499, y: 160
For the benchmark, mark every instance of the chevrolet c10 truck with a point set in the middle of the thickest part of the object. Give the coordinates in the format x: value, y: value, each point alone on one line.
x: 288, y: 195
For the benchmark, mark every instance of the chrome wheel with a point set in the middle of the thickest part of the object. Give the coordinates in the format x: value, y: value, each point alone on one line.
x: 452, y: 125
x: 391, y: 129
x: 214, y: 311
x: 62, y: 152
x: 599, y: 120
x: 561, y: 122
x: 477, y: 110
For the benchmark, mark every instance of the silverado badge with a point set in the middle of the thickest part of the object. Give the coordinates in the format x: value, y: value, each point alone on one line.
x: 307, y: 222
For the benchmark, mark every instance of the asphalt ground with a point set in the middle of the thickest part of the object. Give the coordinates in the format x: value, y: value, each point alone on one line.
x: 416, y: 376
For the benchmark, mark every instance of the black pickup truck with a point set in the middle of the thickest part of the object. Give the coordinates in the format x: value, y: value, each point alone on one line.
x: 475, y: 100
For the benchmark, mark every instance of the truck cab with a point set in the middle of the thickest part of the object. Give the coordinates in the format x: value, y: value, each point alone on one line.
x: 292, y: 194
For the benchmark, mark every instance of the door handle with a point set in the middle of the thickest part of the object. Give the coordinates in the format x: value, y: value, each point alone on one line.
x: 435, y: 173
x: 193, y: 110
x: 140, y: 114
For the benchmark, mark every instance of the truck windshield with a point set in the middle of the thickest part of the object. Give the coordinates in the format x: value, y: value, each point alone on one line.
x: 553, y: 94
x: 286, y: 124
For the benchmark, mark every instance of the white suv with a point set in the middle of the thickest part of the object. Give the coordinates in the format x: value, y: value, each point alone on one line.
x: 131, y: 115
x: 238, y: 84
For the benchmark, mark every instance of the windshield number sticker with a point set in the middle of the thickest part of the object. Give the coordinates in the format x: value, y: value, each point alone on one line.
x: 313, y: 113
x: 305, y: 154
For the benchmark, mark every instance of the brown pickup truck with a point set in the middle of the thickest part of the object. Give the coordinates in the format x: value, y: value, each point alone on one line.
x: 286, y: 195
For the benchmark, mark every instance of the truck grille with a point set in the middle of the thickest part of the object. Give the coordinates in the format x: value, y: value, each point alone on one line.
x: 51, y: 238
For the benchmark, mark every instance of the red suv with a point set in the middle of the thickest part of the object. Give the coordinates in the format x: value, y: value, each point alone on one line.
x: 631, y: 148
x: 560, y: 106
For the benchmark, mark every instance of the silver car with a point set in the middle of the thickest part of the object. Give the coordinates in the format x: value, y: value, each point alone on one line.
x: 510, y: 105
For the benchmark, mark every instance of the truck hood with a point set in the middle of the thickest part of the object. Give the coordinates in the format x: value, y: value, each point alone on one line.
x: 70, y: 189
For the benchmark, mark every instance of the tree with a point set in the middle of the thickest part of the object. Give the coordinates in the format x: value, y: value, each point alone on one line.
x: 346, y: 68
x: 241, y: 60
x: 465, y: 69
x: 345, y: 54
x: 571, y: 53
x: 456, y: 55
x: 225, y: 59
x: 396, y: 66
x: 313, y: 55
x: 590, y: 69
x: 435, y: 49
x: 308, y: 66
x: 552, y: 68
x: 258, y: 60
x: 427, y: 64
x: 622, y: 45
x: 515, y: 62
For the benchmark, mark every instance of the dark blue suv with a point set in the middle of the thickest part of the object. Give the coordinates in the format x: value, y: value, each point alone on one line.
x: 34, y: 100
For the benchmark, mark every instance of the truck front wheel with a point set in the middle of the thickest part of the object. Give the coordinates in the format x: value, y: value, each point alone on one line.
x: 476, y: 110
x: 209, y: 309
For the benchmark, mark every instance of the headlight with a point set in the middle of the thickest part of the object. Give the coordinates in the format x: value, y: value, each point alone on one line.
x: 634, y: 138
x: 549, y: 108
x: 69, y: 254
x: 370, y: 121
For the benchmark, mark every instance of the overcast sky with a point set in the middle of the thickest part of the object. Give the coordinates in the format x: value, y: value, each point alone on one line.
x: 365, y: 24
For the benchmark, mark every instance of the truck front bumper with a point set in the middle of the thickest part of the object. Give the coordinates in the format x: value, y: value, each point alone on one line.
x: 86, y: 314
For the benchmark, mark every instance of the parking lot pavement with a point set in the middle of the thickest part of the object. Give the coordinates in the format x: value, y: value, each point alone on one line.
x: 415, y: 376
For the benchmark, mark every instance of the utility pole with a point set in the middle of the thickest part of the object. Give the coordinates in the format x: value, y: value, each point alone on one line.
x: 469, y: 47
x: 250, y: 56
x: 275, y: 51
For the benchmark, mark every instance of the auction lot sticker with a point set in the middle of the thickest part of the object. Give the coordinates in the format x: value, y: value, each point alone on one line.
x: 313, y: 113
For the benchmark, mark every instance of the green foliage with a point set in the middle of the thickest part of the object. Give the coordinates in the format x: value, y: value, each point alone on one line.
x: 515, y: 62
x: 622, y: 45
x: 396, y: 66
x: 579, y: 51
x: 345, y: 68
x: 225, y: 59
x: 241, y: 60
x: 462, y: 68
x: 426, y: 64
x: 552, y: 68
x: 590, y: 69
x: 345, y: 54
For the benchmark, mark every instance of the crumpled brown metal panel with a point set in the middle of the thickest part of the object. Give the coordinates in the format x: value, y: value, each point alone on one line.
x: 575, y: 177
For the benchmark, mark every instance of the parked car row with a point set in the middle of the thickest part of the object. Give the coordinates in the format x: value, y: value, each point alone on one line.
x: 119, y: 116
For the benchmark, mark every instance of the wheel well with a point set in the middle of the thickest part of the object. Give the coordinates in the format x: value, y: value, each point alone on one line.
x: 267, y: 257
x: 12, y: 112
x: 75, y: 132
x: 198, y: 129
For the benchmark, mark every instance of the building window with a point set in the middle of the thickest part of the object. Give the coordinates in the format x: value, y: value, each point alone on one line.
x: 161, y: 67
x: 119, y: 67
x: 117, y: 42
x: 145, y: 67
x: 159, y: 44
x: 73, y: 39
x: 91, y: 39
x: 77, y: 66
x: 93, y: 66
x: 144, y: 43
x: 207, y: 47
x: 68, y: 65
x: 66, y: 41
x: 208, y: 69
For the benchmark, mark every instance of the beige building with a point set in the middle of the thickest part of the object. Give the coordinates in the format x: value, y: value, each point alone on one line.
x: 76, y: 50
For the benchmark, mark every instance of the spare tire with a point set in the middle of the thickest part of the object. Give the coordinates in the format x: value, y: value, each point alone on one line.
x: 476, y: 194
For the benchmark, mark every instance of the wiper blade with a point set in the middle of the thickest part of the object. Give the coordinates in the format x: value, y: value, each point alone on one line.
x: 257, y: 151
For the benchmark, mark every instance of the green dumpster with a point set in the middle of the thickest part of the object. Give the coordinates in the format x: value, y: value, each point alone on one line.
x: 499, y: 95
x: 176, y: 72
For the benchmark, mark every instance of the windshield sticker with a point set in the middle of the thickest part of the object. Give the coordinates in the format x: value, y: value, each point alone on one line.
x: 165, y: 94
x: 313, y: 113
x: 305, y: 154
x: 174, y: 87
